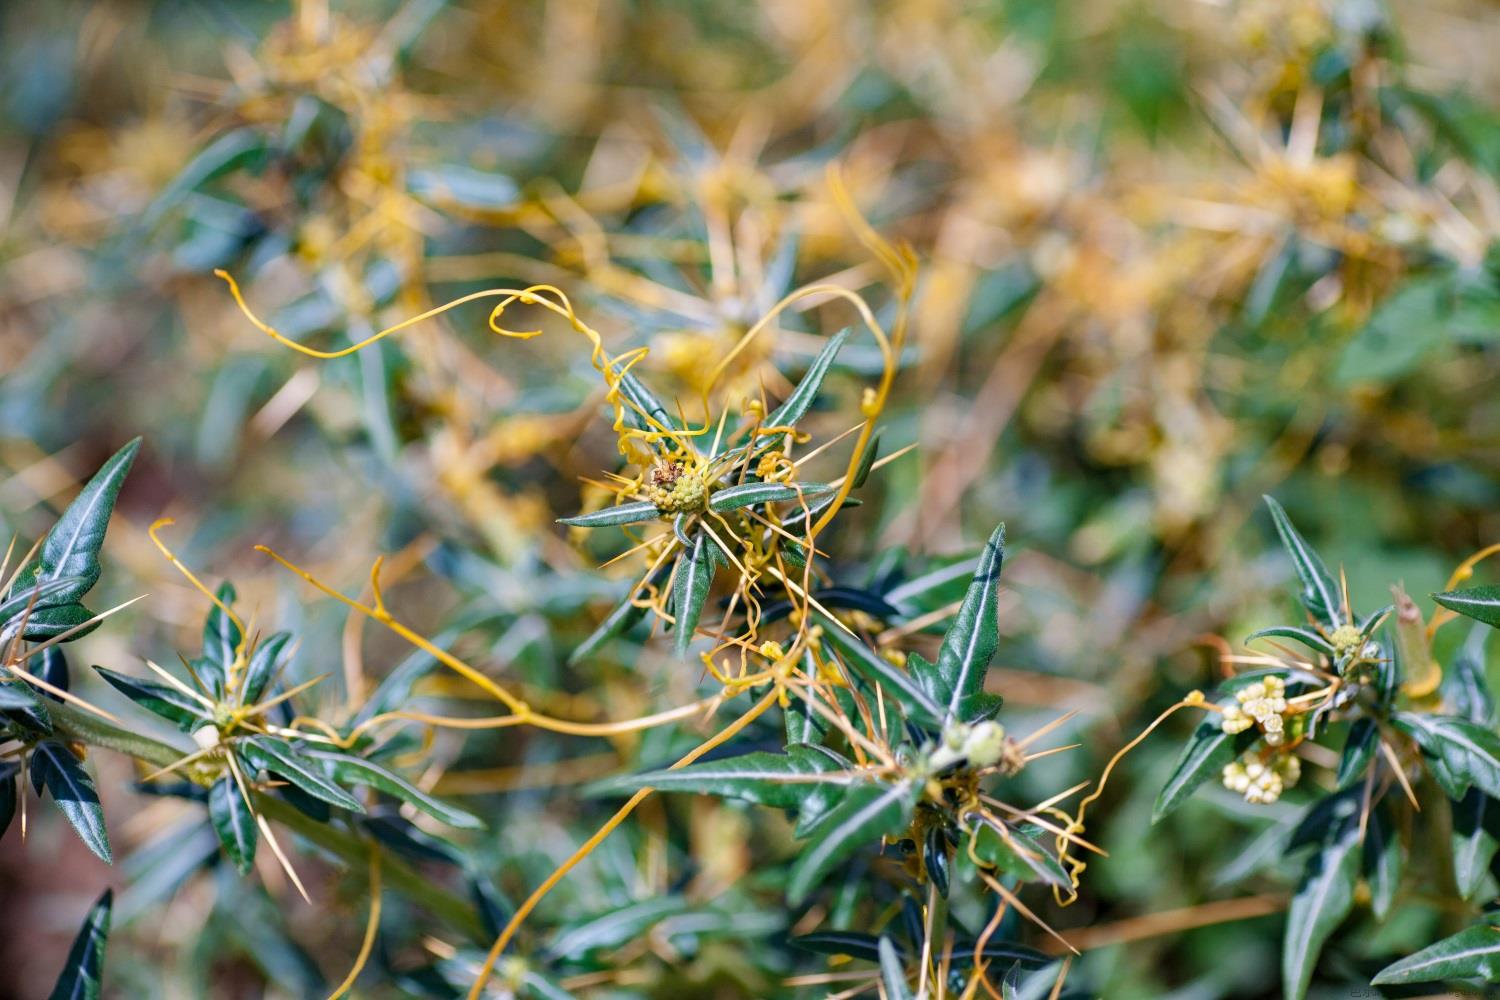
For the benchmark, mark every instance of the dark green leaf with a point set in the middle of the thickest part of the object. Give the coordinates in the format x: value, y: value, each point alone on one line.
x: 22, y: 706
x: 747, y: 494
x: 52, y: 667
x: 621, y: 619
x: 1382, y: 860
x: 867, y: 813
x: 1475, y: 838
x: 1359, y: 750
x: 877, y: 669
x: 1465, y: 685
x: 54, y: 767
x: 229, y: 152
x: 644, y: 404
x: 1320, y: 595
x: 855, y: 944
x: 71, y: 548
x: 617, y: 927
x: 168, y: 702
x: 51, y: 622
x: 233, y: 822
x: 262, y: 666
x: 625, y: 513
x: 1306, y: 636
x: 221, y: 636
x: 1458, y: 752
x: 971, y: 639
x: 795, y: 406
x: 1018, y: 853
x: 39, y: 596
x: 1479, y: 603
x: 1324, y: 897
x: 82, y: 975
x: 276, y: 756
x: 1206, y: 755
x: 780, y: 781
x: 935, y: 859
x: 358, y: 771
x: 694, y: 575
x: 1470, y: 954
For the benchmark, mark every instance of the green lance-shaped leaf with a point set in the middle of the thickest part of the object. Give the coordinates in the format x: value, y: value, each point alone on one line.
x: 280, y: 758
x: 795, y: 406
x: 867, y: 813
x: 892, y: 975
x: 970, y: 642
x: 22, y: 706
x: 641, y: 401
x: 71, y: 548
x: 855, y: 944
x: 221, y: 636
x: 876, y: 668
x: 1323, y: 899
x: 1475, y: 837
x: 1479, y: 603
x: 40, y: 596
x: 183, y: 711
x: 1207, y: 753
x: 1359, y: 750
x: 358, y: 771
x: 54, y: 768
x: 690, y: 583
x: 1458, y: 752
x: 778, y: 780
x: 1306, y: 636
x: 625, y: 513
x: 263, y: 666
x: 1320, y: 595
x: 748, y: 494
x: 1473, y: 953
x: 1018, y: 853
x: 616, y: 927
x: 1382, y: 860
x: 55, y: 620
x: 234, y: 823
x: 231, y: 151
x: 82, y: 975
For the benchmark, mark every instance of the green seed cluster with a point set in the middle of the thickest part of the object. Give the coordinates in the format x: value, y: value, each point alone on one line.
x: 676, y: 491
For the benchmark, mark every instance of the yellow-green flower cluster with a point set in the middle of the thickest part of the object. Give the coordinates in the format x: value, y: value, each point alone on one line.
x: 1263, y: 704
x: 675, y: 490
x: 1263, y: 781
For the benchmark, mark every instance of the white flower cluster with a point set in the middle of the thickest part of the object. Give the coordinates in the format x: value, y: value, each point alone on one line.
x: 1262, y: 703
x: 1261, y: 782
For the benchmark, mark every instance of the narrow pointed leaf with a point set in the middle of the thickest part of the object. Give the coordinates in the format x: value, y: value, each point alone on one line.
x: 221, y: 636
x: 1383, y: 860
x: 1320, y: 595
x: 263, y: 666
x: 877, y: 669
x: 71, y: 548
x: 23, y: 706
x: 82, y: 976
x: 1021, y: 855
x: 748, y: 494
x: 1479, y: 603
x: 695, y: 572
x: 38, y: 596
x: 1473, y: 953
x: 795, y: 406
x: 971, y: 639
x: 52, y: 621
x: 1359, y: 750
x: 1475, y: 837
x: 625, y: 513
x: 644, y: 401
x: 233, y: 822
x: 867, y: 813
x: 1323, y: 899
x: 1207, y: 753
x: 778, y: 780
x: 162, y: 699
x: 280, y: 758
x: 1306, y: 636
x: 10, y: 795
x: 620, y: 619
x: 54, y: 767
x: 1458, y: 752
x: 358, y: 771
